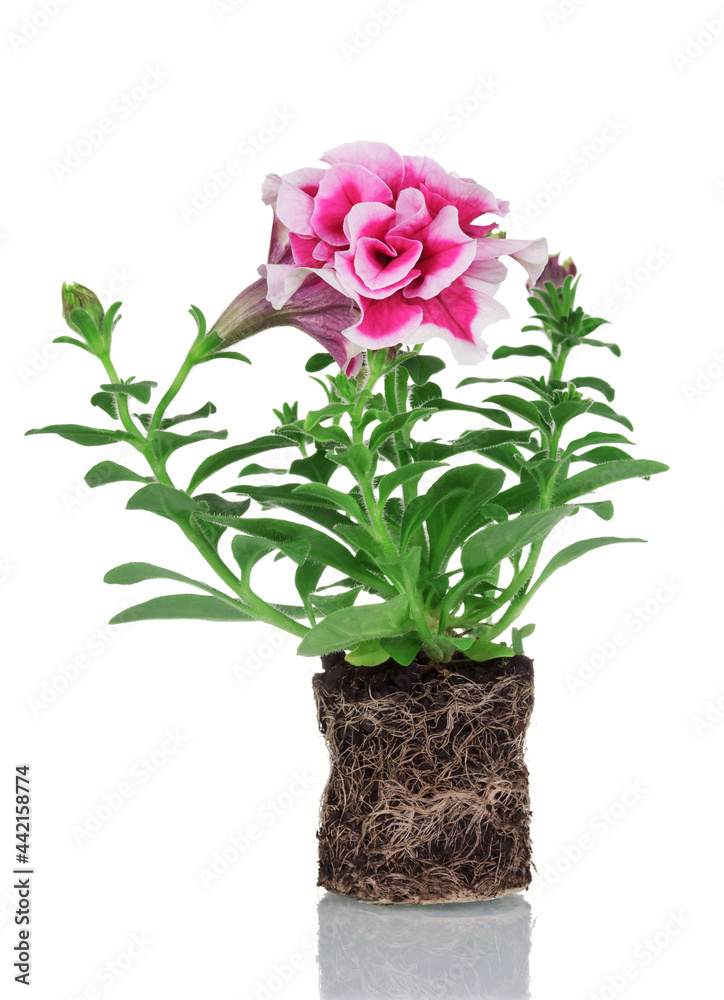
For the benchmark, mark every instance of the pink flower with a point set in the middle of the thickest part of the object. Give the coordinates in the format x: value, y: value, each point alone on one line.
x: 400, y: 238
x: 312, y: 305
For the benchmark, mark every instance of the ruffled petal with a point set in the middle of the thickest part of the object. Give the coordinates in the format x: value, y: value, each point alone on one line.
x: 295, y: 199
x: 341, y: 187
x: 378, y: 157
x: 459, y: 314
x: 417, y: 169
x: 470, y: 199
x: 368, y: 219
x: 411, y: 213
x: 386, y: 322
x: 446, y: 254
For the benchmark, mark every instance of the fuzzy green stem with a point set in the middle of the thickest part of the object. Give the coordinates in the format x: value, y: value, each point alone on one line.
x: 171, y: 393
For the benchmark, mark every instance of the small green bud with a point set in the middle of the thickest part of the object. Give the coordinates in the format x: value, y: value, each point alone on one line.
x: 77, y: 296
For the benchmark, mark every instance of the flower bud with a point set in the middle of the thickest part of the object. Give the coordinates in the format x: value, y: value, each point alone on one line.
x: 77, y: 296
x: 555, y: 272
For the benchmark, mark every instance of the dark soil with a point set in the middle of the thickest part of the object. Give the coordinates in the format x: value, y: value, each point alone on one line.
x: 427, y: 799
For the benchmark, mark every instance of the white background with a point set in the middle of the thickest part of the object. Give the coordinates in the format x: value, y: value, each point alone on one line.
x: 606, y: 94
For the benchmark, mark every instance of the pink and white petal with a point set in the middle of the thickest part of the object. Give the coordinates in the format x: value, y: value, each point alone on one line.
x: 470, y: 199
x: 341, y: 187
x: 380, y: 269
x: 354, y: 366
x: 417, y: 169
x: 480, y: 231
x: 368, y: 219
x: 533, y: 258
x: 486, y: 275
x: 303, y: 248
x: 378, y: 157
x: 459, y: 314
x: 295, y: 199
x: 283, y: 280
x: 270, y: 189
x: 324, y: 252
x: 493, y: 246
x: 361, y: 276
x: 386, y: 322
x: 446, y: 254
x: 411, y: 213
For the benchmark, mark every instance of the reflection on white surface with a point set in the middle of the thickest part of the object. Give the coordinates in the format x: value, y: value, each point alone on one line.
x: 459, y: 951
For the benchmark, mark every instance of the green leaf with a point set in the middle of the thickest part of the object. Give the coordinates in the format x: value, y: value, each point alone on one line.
x: 335, y: 497
x: 254, y: 469
x: 319, y: 361
x: 595, y: 383
x: 602, y: 475
x: 90, y: 437
x: 603, y: 410
x: 602, y: 509
x: 110, y: 472
x: 477, y: 441
x: 402, y: 648
x: 197, y: 606
x: 367, y: 654
x: 247, y: 551
x: 231, y: 355
x: 568, y: 410
x: 484, y: 551
x: 421, y: 395
x: 236, y: 453
x: 498, y: 416
x: 474, y: 380
x: 358, y: 459
x: 203, y: 411
x: 482, y: 651
x: 518, y: 635
x: 330, y: 410
x: 464, y: 491
x: 399, y: 422
x: 165, y: 443
x: 520, y: 407
x: 405, y: 474
x: 599, y: 455
x: 594, y: 438
x: 613, y: 348
x: 164, y: 501
x: 139, y: 390
x: 345, y: 629
x: 536, y: 385
x: 572, y: 552
x: 329, y: 604
x: 73, y: 341
x: 317, y: 467
x: 361, y: 538
x: 138, y: 572
x: 322, y: 548
x: 111, y: 318
x: 106, y: 401
x: 529, y: 351
x: 306, y: 580
x: 421, y: 367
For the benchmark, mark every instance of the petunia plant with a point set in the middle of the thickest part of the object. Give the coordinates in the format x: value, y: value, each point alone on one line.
x: 401, y: 543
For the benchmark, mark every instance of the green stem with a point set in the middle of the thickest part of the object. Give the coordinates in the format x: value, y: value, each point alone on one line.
x: 516, y: 586
x: 262, y: 611
x: 122, y: 402
x: 171, y: 393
